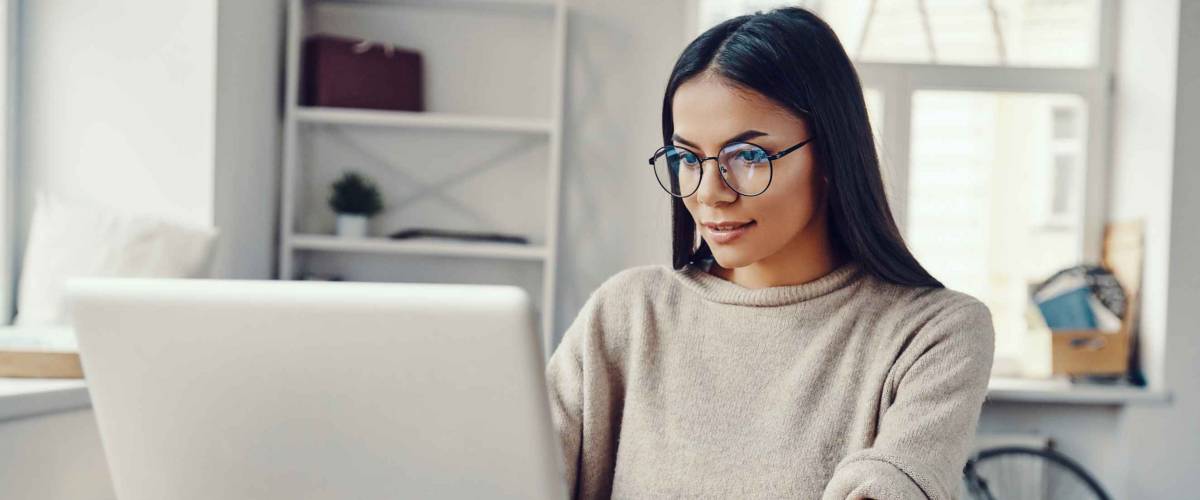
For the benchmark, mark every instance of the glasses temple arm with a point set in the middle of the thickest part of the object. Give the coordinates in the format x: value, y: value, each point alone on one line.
x: 781, y: 154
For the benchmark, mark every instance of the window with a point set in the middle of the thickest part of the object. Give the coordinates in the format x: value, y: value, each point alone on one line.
x: 988, y: 116
x: 1040, y: 33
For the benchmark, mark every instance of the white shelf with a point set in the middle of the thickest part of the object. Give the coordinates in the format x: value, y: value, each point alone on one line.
x: 25, y: 397
x: 436, y: 247
x: 1005, y: 389
x: 421, y: 120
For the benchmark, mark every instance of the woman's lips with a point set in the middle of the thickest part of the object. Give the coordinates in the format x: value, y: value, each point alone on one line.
x: 728, y: 236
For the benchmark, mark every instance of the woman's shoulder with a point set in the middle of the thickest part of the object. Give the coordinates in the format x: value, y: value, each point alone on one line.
x: 925, y: 301
x: 936, y: 311
x: 956, y: 313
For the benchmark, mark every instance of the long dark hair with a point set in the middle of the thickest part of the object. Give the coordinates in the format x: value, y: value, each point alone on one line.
x: 791, y: 56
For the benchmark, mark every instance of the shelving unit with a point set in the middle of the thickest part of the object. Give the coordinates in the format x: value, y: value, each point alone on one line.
x: 421, y: 247
x: 432, y: 121
x: 494, y: 75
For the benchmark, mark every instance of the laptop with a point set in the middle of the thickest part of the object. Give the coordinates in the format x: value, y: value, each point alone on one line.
x: 215, y: 389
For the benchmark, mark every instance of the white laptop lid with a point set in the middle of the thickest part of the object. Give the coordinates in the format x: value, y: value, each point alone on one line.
x: 211, y: 389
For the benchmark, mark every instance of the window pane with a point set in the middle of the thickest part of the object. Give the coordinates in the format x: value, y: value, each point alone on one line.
x: 995, y: 196
x: 1044, y: 33
x: 874, y: 102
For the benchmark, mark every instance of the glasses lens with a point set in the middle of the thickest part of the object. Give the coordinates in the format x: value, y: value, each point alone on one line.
x: 678, y: 170
x: 747, y: 168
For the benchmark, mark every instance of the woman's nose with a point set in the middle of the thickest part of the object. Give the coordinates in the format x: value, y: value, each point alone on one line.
x: 713, y: 190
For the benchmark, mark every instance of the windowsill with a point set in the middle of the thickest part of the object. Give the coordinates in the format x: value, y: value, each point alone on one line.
x: 27, y: 397
x: 21, y: 398
x: 1016, y: 390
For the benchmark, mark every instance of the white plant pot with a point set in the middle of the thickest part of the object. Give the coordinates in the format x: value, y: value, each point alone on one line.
x: 351, y: 226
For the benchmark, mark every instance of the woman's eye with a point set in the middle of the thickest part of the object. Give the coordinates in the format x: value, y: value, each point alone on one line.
x: 690, y: 159
x: 752, y: 156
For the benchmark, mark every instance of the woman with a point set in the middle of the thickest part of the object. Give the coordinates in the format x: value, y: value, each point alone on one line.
x: 803, y: 353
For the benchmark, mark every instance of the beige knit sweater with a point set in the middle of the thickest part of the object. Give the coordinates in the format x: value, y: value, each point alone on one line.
x: 679, y: 384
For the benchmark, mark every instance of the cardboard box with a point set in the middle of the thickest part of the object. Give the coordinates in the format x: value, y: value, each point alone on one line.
x: 1097, y: 352
x: 1090, y: 352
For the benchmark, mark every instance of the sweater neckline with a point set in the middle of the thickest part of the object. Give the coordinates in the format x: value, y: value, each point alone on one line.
x: 698, y: 279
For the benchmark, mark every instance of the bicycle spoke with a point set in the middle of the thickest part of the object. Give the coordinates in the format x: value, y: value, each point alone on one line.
x: 1011, y: 473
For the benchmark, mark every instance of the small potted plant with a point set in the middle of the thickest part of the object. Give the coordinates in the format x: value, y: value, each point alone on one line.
x: 354, y: 199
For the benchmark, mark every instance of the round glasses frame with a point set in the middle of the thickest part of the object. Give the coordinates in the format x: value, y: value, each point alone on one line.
x: 723, y: 168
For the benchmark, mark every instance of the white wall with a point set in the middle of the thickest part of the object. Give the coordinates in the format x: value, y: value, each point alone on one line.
x: 119, y: 103
x: 166, y: 108
x: 1162, y: 444
x: 614, y: 215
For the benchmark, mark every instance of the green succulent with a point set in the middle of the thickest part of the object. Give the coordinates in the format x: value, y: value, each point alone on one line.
x: 355, y: 195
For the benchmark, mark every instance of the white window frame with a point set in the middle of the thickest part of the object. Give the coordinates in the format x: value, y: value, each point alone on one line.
x: 898, y: 83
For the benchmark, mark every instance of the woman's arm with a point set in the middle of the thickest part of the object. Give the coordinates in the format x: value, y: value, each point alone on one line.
x: 564, y: 377
x: 586, y: 398
x: 927, y: 432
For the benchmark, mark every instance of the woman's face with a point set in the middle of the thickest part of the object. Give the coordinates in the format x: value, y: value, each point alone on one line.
x: 788, y: 218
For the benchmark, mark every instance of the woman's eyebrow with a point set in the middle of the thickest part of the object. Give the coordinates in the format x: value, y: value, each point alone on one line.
x: 744, y: 136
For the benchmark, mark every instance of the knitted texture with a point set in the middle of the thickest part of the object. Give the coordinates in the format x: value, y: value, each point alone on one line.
x: 679, y: 384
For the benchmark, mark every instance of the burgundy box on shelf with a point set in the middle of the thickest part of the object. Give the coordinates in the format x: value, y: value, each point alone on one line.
x: 349, y: 73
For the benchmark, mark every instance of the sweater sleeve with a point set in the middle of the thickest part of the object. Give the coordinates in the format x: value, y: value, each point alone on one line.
x: 585, y: 402
x: 926, y: 434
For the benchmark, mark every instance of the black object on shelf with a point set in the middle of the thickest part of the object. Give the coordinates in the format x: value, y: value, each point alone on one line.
x: 421, y: 232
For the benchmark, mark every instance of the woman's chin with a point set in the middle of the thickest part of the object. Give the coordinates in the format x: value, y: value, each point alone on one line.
x: 729, y: 258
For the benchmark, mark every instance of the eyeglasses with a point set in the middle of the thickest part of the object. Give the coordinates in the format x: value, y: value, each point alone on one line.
x: 746, y: 168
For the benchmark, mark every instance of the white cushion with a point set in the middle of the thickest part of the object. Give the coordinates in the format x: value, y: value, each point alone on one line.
x: 69, y: 238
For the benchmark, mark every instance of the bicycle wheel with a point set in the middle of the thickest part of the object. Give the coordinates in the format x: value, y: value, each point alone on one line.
x: 1016, y: 472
